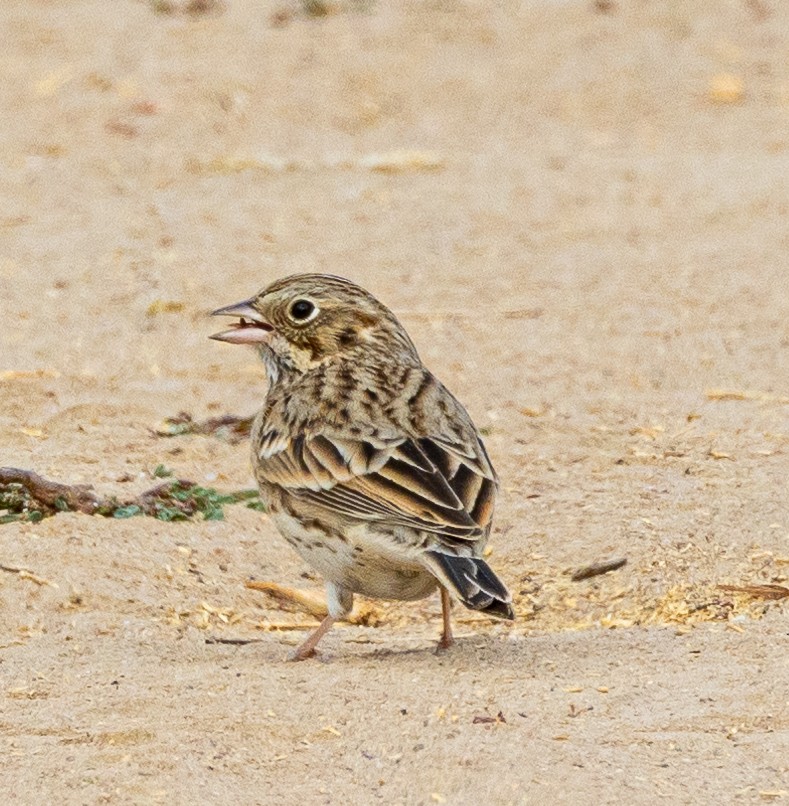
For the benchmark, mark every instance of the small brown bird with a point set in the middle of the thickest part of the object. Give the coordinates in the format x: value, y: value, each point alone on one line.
x: 369, y: 467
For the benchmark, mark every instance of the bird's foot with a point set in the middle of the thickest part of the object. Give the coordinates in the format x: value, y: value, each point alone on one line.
x: 307, y: 649
x: 302, y: 654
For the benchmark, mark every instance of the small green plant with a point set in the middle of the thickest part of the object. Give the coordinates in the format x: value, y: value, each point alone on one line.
x: 16, y: 504
x: 126, y: 512
x: 26, y: 496
x: 181, y: 501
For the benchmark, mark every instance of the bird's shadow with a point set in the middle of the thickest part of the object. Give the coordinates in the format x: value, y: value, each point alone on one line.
x: 480, y: 650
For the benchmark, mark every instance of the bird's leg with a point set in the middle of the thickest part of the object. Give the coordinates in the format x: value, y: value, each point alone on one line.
x: 307, y: 649
x: 339, y: 602
x: 446, y: 639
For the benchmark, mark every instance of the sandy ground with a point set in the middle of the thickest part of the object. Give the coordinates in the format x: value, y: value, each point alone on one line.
x: 579, y: 211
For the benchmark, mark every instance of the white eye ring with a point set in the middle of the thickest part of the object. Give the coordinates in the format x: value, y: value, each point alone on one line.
x: 303, y: 310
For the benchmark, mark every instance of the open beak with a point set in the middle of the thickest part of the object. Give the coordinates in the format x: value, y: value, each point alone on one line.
x: 251, y: 328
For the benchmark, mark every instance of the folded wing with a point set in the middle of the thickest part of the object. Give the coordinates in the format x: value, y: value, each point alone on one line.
x: 429, y: 483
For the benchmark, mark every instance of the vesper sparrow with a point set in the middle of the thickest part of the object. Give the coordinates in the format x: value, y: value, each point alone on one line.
x: 369, y: 467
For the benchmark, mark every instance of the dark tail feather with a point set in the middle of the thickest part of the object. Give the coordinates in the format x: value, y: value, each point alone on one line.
x: 473, y: 581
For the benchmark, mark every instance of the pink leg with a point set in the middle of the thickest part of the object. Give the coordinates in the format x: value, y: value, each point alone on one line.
x: 446, y: 640
x: 307, y: 649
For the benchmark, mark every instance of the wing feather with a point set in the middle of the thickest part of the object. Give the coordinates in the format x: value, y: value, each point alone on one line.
x: 428, y: 484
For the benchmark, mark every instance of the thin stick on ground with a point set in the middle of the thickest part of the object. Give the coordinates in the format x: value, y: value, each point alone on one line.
x: 229, y: 427
x: 765, y: 591
x: 288, y: 598
x: 596, y: 569
x: 25, y: 495
x: 52, y: 494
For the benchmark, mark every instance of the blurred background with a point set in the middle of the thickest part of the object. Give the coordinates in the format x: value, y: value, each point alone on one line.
x: 161, y: 157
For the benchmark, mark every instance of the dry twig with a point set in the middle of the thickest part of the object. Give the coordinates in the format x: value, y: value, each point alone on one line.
x: 744, y: 394
x: 25, y: 495
x: 760, y: 591
x: 301, y: 600
x: 228, y: 427
x: 52, y: 495
x: 233, y: 641
x: 308, y: 602
x: 596, y: 569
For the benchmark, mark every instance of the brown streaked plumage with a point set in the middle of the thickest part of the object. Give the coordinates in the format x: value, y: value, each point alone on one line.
x: 370, y: 468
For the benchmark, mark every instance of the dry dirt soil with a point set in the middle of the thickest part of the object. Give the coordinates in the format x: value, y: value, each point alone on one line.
x: 579, y: 211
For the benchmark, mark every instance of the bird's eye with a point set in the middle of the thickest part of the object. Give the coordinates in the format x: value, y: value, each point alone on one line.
x: 302, y: 310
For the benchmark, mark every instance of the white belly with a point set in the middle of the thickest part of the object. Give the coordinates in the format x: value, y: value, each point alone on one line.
x: 360, y: 560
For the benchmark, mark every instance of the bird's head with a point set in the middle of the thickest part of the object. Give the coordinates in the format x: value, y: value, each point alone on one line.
x: 305, y: 320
